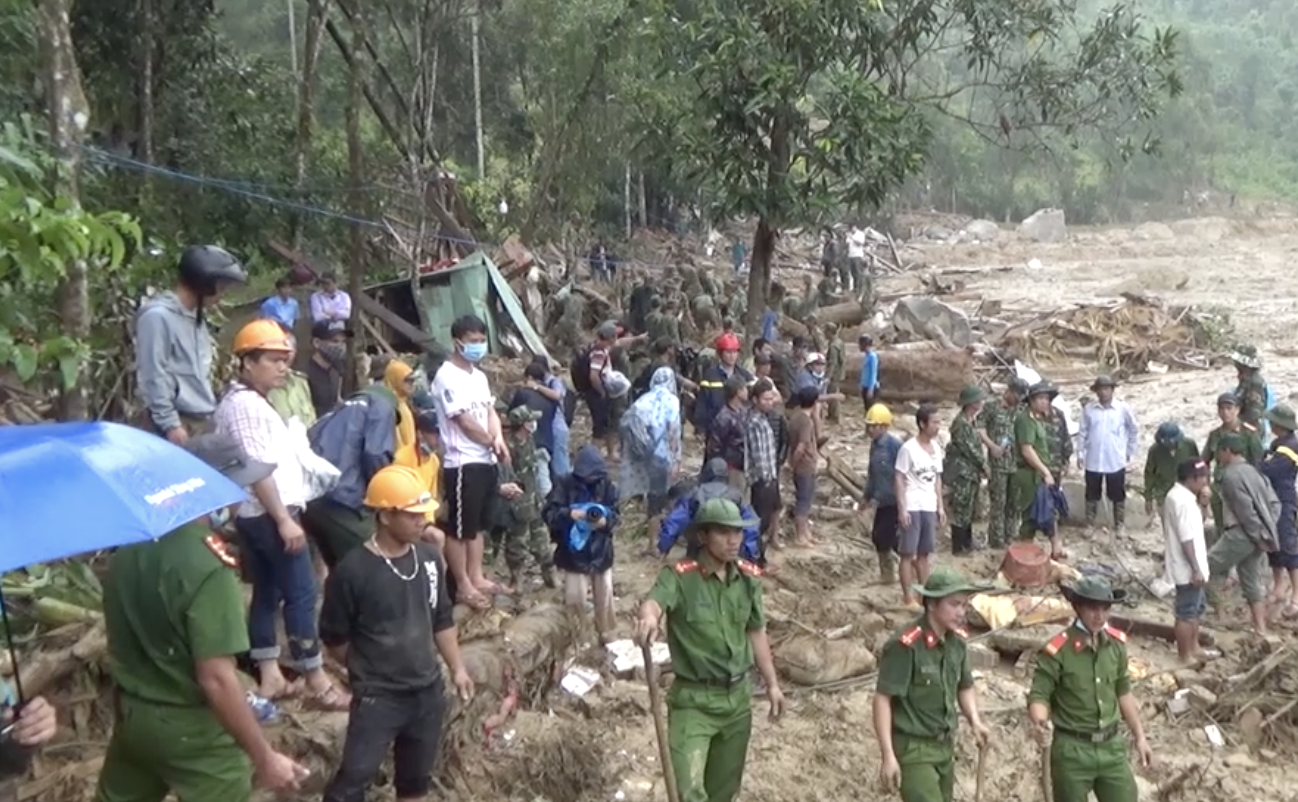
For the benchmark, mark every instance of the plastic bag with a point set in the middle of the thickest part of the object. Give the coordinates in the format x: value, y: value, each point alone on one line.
x: 319, y: 474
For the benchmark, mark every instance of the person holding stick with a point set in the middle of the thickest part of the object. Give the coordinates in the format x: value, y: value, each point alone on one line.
x: 925, y: 682
x: 717, y: 630
x: 1080, y: 689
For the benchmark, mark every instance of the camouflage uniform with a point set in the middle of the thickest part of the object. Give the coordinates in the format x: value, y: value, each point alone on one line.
x: 810, y: 301
x: 1061, y: 445
x: 835, y: 367
x: 825, y: 292
x: 660, y: 324
x: 524, y: 531
x: 1003, y: 514
x: 815, y: 335
x: 1252, y: 399
x: 962, y: 473
x: 705, y: 313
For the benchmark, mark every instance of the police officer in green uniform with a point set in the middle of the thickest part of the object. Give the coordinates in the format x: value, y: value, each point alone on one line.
x: 1080, y: 688
x: 525, y: 532
x: 716, y: 631
x: 1228, y: 411
x: 925, y: 683
x: 175, y: 619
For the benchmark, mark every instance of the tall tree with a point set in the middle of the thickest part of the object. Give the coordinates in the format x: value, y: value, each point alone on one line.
x: 785, y: 109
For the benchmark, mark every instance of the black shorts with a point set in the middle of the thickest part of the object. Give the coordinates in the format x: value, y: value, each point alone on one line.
x: 884, y: 532
x: 471, y: 491
x: 601, y: 415
x: 410, y: 724
x: 766, y: 501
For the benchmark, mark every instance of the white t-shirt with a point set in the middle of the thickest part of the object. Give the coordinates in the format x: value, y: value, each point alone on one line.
x: 458, y: 392
x: 921, y: 471
x: 1182, y: 523
x: 856, y: 245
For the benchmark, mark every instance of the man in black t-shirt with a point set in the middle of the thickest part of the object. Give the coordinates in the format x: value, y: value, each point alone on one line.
x: 324, y: 370
x: 385, y: 608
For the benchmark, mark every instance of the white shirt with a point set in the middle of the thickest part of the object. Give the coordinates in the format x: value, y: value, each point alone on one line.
x: 920, y: 471
x: 1183, y: 523
x: 459, y: 392
x: 246, y: 415
x: 856, y: 245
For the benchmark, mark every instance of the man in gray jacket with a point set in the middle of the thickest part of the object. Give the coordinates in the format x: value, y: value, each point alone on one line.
x: 173, y: 347
x: 1250, y: 510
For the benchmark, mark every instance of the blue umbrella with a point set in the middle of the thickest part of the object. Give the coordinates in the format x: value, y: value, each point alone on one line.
x: 71, y: 488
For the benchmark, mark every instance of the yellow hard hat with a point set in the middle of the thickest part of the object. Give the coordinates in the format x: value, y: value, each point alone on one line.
x: 878, y: 415
x: 398, y: 487
x: 263, y: 335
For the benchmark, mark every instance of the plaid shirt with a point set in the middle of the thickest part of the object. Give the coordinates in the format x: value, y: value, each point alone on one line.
x: 248, y: 417
x: 761, y: 451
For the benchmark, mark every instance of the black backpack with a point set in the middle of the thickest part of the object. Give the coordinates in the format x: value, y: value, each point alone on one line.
x: 579, y: 370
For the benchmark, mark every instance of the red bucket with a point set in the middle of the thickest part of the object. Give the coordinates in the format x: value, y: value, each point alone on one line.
x: 1026, y: 565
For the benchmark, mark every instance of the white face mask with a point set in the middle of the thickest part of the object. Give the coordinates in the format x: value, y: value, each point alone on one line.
x: 530, y: 426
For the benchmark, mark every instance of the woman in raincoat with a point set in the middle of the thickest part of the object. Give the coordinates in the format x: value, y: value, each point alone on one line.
x: 651, y: 445
x: 581, y: 514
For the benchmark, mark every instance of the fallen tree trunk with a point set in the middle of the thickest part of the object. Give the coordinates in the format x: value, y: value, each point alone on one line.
x: 934, y: 374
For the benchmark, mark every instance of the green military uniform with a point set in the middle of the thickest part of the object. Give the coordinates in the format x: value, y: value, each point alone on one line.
x: 965, y: 465
x: 1081, y: 677
x: 835, y: 367
x: 709, y: 614
x: 1169, y: 450
x: 1032, y: 431
x: 706, y: 318
x: 922, y: 674
x: 1251, y: 390
x: 525, y: 533
x: 661, y: 324
x: 1253, y: 451
x: 997, y: 420
x: 1059, y: 451
x: 168, y: 604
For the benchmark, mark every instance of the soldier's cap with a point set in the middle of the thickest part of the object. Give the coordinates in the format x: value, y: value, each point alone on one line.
x: 1234, y: 442
x: 1094, y: 590
x: 946, y: 581
x: 324, y: 329
x: 226, y: 455
x: 607, y: 331
x: 1228, y: 399
x: 1043, y: 388
x: 971, y: 395
x: 522, y: 414
x: 426, y: 421
x: 1168, y: 433
x: 1283, y: 416
x: 1246, y: 356
x: 719, y: 513
x: 1017, y: 386
x: 1103, y: 381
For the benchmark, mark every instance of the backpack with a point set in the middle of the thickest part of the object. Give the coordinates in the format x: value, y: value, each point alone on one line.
x: 579, y: 370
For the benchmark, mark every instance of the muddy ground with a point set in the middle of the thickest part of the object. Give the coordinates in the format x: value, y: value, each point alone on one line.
x: 602, y: 747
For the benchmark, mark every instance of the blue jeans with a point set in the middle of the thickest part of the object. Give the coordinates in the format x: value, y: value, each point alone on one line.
x: 276, y: 577
x: 560, y: 460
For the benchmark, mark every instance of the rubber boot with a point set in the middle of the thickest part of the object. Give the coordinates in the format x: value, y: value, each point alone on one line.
x: 1120, y: 518
x: 887, y: 567
x: 1092, y: 512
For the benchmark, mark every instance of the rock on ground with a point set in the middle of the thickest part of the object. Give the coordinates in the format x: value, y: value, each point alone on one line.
x: 923, y: 318
x: 1045, y: 225
x: 981, y: 231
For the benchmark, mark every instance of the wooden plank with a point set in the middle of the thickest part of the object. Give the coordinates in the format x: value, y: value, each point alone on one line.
x: 377, y: 335
x: 372, y: 307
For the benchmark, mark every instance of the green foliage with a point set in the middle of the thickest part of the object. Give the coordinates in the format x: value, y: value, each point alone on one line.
x: 41, y: 234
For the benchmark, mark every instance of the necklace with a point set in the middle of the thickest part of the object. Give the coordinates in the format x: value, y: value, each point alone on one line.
x: 374, y: 547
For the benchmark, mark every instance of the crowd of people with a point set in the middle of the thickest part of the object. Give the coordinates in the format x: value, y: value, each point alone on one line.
x: 370, y: 514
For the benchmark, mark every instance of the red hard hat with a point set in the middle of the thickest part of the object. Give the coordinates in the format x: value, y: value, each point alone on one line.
x: 727, y: 342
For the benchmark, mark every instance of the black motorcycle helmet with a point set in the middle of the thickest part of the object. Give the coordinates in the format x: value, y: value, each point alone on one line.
x: 203, y: 268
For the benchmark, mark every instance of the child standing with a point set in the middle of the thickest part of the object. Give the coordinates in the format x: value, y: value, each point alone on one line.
x: 521, y: 512
x: 803, y: 459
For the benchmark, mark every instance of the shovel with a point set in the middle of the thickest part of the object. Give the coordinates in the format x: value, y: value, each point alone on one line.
x: 1047, y: 781
x: 660, y: 726
x: 978, y: 778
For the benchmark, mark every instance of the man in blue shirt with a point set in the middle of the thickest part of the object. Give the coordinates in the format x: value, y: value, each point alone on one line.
x: 881, y: 489
x: 869, y: 371
x: 282, y: 306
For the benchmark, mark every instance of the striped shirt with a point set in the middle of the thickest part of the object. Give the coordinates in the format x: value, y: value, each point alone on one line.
x: 246, y: 415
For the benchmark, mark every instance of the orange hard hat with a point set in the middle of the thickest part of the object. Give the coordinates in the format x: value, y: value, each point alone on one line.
x: 727, y: 342
x: 263, y: 335
x: 398, y: 487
